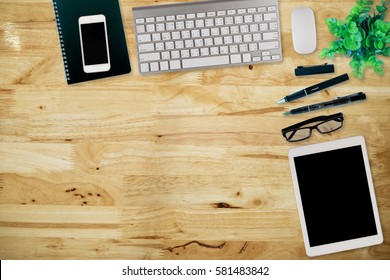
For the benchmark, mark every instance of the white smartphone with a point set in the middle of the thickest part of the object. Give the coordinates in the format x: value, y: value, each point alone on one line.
x: 94, y: 44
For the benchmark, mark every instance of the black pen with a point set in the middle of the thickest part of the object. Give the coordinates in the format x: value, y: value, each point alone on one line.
x: 315, y: 88
x: 335, y: 102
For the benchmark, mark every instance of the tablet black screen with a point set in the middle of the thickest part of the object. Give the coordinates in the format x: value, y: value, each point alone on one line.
x: 335, y: 196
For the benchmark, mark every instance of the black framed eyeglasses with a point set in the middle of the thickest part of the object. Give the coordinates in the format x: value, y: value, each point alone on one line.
x: 325, y: 124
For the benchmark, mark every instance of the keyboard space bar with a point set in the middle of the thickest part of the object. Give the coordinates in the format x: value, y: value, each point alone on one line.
x: 205, y: 61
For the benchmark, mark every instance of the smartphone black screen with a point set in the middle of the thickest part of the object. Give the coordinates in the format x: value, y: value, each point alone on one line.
x: 94, y: 43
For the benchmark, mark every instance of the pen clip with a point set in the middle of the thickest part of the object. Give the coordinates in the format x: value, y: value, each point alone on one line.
x: 312, y: 66
x: 352, y: 95
x: 315, y: 69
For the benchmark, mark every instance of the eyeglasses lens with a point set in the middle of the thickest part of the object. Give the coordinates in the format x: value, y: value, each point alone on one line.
x: 329, y: 126
x: 298, y: 134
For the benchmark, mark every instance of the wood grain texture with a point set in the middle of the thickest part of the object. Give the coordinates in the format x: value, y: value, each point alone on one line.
x: 187, y: 165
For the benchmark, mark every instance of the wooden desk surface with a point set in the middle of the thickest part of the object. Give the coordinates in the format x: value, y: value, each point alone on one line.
x: 187, y: 165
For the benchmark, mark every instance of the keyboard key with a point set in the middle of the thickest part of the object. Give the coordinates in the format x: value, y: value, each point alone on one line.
x: 248, y: 19
x: 270, y: 36
x: 140, y: 29
x: 205, y: 61
x: 175, y: 54
x: 154, y: 66
x: 150, y: 19
x: 164, y: 65
x: 149, y: 56
x: 174, y: 64
x: 272, y: 8
x: 144, y: 38
x: 273, y: 26
x: 235, y: 58
x: 156, y: 37
x: 160, y: 19
x: 150, y: 28
x: 252, y: 10
x: 170, y: 26
x: 185, y: 53
x: 263, y: 26
x: 243, y: 48
x: 146, y: 47
x: 190, y: 16
x: 214, y: 50
x: 160, y: 46
x: 258, y: 18
x: 270, y: 16
x: 204, y: 52
x: 166, y: 36
x: 195, y: 52
x: 144, y: 67
x: 269, y: 45
x: 165, y: 55
x: 246, y: 57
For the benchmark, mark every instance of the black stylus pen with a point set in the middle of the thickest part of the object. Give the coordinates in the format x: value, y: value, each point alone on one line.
x: 335, y: 102
x: 312, y: 89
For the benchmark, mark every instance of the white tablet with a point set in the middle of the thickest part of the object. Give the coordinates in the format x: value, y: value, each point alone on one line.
x: 335, y: 196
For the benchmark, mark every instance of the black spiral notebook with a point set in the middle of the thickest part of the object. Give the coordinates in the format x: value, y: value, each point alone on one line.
x: 92, y: 39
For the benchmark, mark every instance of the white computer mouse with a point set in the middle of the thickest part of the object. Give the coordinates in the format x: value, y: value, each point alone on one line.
x: 303, y: 30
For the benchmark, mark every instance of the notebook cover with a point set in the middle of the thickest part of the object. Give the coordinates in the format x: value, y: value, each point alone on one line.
x: 67, y: 13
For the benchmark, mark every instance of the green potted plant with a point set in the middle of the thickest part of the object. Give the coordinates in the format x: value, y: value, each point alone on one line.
x: 363, y: 36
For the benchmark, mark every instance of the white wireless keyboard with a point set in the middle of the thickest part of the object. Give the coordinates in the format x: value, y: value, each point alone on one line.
x: 196, y: 35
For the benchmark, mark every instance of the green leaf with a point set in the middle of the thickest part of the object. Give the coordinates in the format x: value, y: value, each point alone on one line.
x: 379, y: 34
x: 354, y: 64
x: 356, y: 37
x: 379, y: 45
x: 386, y: 52
x: 366, y: 9
x: 367, y: 42
x: 362, y: 33
x: 352, y: 25
x: 380, y: 25
x: 334, y: 30
x: 344, y: 33
x: 378, y: 69
x: 381, y: 9
x: 354, y: 72
x: 355, y: 10
x: 352, y: 45
x: 322, y: 54
x: 354, y: 30
x: 330, y: 21
x: 371, y: 60
x: 340, y: 23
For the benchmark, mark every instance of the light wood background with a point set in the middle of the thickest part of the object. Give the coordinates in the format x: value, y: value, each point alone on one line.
x: 187, y: 165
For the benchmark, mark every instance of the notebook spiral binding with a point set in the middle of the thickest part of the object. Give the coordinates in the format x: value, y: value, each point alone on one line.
x: 63, y: 50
